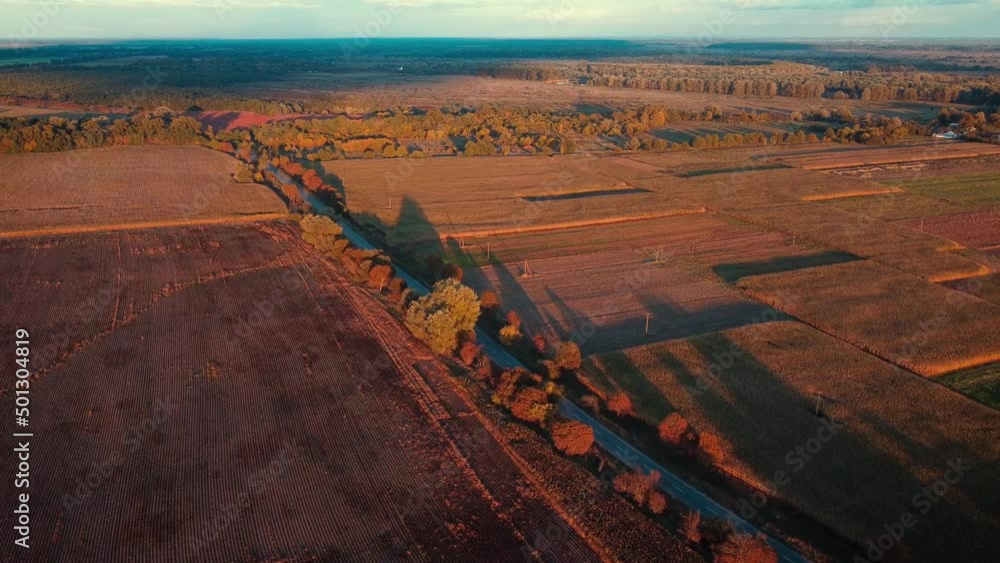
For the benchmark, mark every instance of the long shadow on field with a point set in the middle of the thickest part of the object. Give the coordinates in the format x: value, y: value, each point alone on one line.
x: 734, y: 271
x: 771, y: 425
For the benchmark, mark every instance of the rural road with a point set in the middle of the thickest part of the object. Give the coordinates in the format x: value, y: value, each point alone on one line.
x: 606, y: 438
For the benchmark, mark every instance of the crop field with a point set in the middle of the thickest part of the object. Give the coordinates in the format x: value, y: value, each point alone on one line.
x: 360, y: 91
x: 974, y: 230
x: 28, y: 111
x: 981, y: 383
x: 421, y: 200
x: 122, y: 186
x: 685, y: 131
x: 706, y: 243
x: 926, y: 328
x: 758, y: 387
x: 829, y: 160
x: 979, y: 191
x: 605, y: 297
x: 261, y: 406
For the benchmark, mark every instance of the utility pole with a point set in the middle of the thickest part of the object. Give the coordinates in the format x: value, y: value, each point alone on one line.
x: 488, y: 257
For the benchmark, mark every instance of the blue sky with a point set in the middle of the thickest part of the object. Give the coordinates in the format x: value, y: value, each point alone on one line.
x: 708, y: 19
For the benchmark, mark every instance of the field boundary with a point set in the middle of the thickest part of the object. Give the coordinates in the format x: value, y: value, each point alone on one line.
x: 143, y: 225
x: 570, y: 224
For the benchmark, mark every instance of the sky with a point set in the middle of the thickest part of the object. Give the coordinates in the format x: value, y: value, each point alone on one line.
x: 704, y: 20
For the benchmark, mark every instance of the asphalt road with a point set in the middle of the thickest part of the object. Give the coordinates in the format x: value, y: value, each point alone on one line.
x: 606, y: 438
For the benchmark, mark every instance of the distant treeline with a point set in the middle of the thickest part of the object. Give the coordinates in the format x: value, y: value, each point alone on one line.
x: 779, y: 79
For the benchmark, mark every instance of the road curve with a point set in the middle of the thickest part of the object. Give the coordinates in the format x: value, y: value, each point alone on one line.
x: 606, y: 438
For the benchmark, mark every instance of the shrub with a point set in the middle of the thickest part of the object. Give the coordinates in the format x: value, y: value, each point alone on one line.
x: 573, y: 438
x: 338, y: 248
x: 634, y: 485
x: 743, y: 548
x: 620, y: 404
x: 396, y: 288
x: 451, y: 271
x: 541, y: 346
x: 657, y: 502
x: 514, y: 320
x: 551, y: 369
x: 509, y: 335
x: 504, y: 393
x: 469, y: 352
x: 568, y: 356
x: 591, y: 402
x: 711, y: 447
x: 439, y: 317
x: 674, y: 429
x: 489, y: 301
x: 691, y: 526
x: 531, y: 405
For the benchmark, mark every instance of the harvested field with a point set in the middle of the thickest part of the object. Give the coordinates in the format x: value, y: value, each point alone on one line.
x: 926, y: 328
x: 756, y: 388
x: 986, y: 287
x: 974, y: 230
x: 27, y: 111
x: 230, y: 120
x: 419, y: 200
x: 705, y: 240
x: 900, y: 205
x: 605, y: 297
x: 118, y: 186
x: 188, y: 401
x: 890, y: 155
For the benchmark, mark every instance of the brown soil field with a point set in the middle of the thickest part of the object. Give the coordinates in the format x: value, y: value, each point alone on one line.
x: 891, y: 155
x: 926, y: 328
x: 899, y: 206
x: 706, y: 244
x: 27, y: 111
x: 974, y: 230
x: 262, y: 408
x: 757, y: 387
x: 123, y: 185
x: 418, y: 200
x: 601, y: 300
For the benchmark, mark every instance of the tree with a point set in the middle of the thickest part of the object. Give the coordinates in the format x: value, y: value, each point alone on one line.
x: 531, y: 404
x: 620, y: 404
x: 743, y: 548
x: 572, y: 437
x: 674, y: 429
x: 380, y: 276
x: 568, y: 356
x: 439, y: 317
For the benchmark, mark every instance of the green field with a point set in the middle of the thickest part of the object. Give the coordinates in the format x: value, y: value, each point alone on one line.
x: 981, y: 383
x: 976, y: 190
